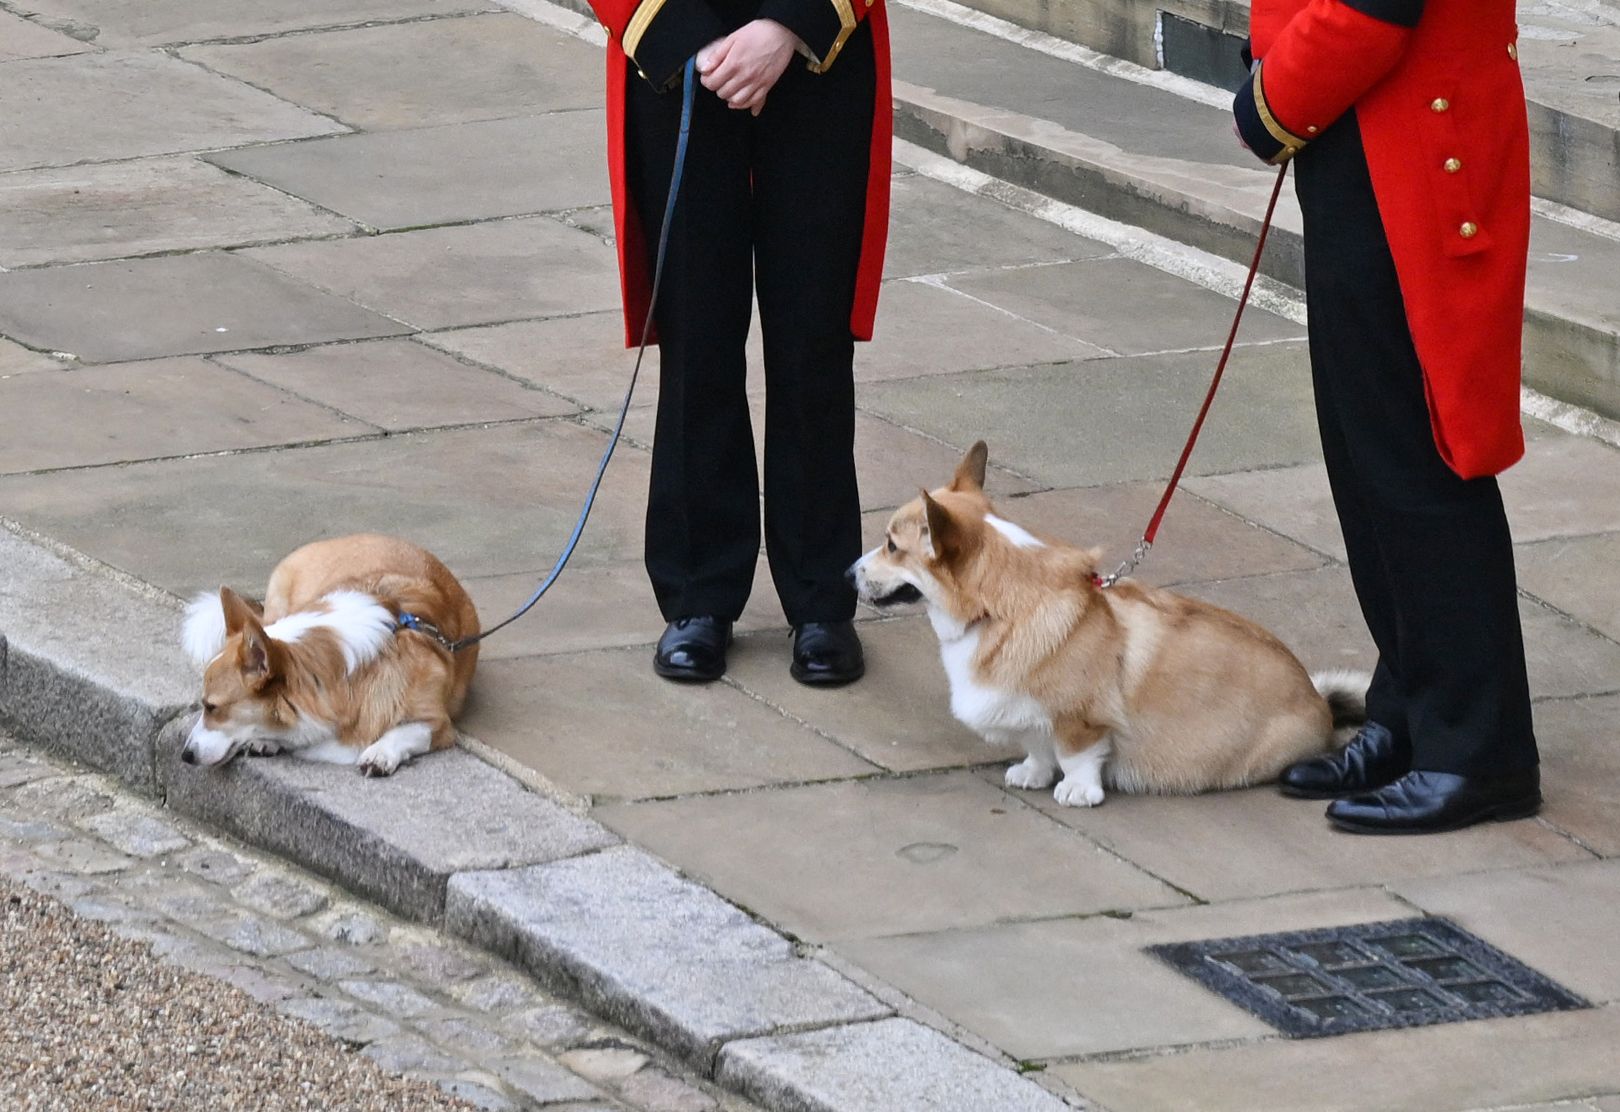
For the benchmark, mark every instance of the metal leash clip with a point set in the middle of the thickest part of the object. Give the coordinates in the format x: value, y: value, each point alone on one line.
x: 1129, y: 565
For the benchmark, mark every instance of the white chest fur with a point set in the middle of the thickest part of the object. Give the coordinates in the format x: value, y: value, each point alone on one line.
x: 997, y: 715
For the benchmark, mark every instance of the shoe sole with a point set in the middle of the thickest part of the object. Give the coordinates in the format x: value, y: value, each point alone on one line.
x: 1302, y: 793
x: 1509, y: 813
x: 686, y: 675
x: 823, y: 679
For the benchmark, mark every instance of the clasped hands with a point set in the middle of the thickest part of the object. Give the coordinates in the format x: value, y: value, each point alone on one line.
x: 741, y: 68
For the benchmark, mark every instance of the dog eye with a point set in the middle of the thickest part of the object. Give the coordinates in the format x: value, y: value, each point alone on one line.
x: 892, y: 549
x: 210, y: 708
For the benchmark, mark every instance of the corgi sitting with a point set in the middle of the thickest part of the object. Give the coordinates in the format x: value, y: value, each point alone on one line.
x: 1138, y: 688
x: 347, y: 660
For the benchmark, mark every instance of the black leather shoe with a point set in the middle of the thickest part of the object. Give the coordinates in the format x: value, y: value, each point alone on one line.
x: 827, y: 654
x: 1432, y: 802
x: 693, y: 650
x: 1372, y: 759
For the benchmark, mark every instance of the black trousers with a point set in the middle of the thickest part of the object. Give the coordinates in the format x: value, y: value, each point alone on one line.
x: 774, y: 202
x: 1430, y: 553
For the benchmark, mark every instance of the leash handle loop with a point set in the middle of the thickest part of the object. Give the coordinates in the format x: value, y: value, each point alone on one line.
x: 688, y: 93
x: 1152, y: 531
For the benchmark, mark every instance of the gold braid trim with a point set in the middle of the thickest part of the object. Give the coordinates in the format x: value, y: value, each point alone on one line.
x: 645, y: 13
x: 1291, y: 142
x: 846, y: 20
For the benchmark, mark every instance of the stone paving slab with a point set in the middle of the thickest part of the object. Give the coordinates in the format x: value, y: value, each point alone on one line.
x: 68, y: 679
x: 601, y: 724
x: 486, y: 501
x: 448, y: 277
x: 1580, y: 576
x: 21, y: 38
x: 935, y: 229
x: 652, y: 951
x: 155, y: 22
x: 16, y: 360
x: 144, y: 207
x: 163, y: 407
x: 1516, y: 1061
x: 1257, y: 843
x: 1197, y: 541
x: 1114, y: 420
x: 1560, y: 922
x: 883, y: 857
x: 1068, y: 987
x: 582, y: 358
x: 116, y: 311
x: 121, y: 105
x: 1123, y: 305
x: 1581, y: 768
x: 927, y: 329
x: 398, y: 385
x: 397, y: 839
x: 900, y: 720
x: 876, y: 1067
x: 421, y: 73
x: 1316, y: 615
x: 403, y: 179
x: 1541, y: 501
x: 602, y: 607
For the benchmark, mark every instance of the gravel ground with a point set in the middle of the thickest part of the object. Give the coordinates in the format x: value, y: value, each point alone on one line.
x: 94, y: 1022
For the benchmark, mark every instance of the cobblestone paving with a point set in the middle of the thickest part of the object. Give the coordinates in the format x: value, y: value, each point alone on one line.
x: 413, y: 1002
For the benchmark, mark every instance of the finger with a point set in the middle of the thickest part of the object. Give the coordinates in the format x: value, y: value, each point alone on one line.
x: 713, y: 54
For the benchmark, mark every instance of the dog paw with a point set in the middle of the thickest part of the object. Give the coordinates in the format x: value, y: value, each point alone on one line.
x: 262, y: 748
x: 1077, y: 793
x: 377, y: 760
x: 1028, y: 773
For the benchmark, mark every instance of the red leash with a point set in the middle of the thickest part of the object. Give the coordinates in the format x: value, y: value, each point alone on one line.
x: 1146, y: 542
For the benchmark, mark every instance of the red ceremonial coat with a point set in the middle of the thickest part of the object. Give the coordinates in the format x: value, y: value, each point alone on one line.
x: 658, y: 35
x: 1437, y: 92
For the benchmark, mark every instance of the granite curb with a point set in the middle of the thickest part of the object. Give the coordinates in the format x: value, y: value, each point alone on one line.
x: 89, y: 669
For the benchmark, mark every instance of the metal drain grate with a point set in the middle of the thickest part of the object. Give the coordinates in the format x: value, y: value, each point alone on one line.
x: 1403, y: 973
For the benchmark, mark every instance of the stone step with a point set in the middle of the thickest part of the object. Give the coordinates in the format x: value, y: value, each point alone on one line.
x: 1156, y: 151
x: 1569, y: 51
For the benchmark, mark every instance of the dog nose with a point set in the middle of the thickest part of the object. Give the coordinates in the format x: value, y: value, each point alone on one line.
x: 849, y: 575
x: 189, y: 755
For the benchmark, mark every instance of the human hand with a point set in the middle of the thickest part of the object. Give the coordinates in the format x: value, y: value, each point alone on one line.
x: 742, y: 68
x: 1239, y: 133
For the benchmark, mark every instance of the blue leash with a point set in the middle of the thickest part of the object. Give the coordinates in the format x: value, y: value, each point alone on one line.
x: 690, y: 87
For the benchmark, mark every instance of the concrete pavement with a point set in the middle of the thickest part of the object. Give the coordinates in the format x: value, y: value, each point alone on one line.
x: 270, y: 279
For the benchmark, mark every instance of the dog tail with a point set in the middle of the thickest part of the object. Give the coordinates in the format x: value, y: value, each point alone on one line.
x: 1346, y: 695
x: 203, y: 633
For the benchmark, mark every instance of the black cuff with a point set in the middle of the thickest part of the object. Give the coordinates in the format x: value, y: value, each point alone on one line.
x: 817, y: 22
x: 1247, y: 54
x: 1402, y: 13
x: 1254, y: 133
x: 679, y: 30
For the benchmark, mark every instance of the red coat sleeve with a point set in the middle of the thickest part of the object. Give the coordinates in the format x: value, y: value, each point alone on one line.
x: 1325, y: 59
x: 659, y: 35
x: 823, y: 25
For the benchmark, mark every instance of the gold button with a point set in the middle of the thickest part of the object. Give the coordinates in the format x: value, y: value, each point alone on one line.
x: 1439, y: 104
x: 1513, y: 51
x: 1469, y: 230
x: 1311, y: 130
x: 1453, y: 165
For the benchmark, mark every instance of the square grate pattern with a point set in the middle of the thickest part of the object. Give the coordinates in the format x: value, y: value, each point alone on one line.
x: 1403, y: 973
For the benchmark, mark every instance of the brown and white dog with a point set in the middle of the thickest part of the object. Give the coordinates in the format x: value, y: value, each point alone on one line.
x: 326, y: 669
x: 1139, y: 688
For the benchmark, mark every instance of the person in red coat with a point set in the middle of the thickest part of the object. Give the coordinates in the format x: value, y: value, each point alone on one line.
x: 1405, y: 123
x: 785, y: 196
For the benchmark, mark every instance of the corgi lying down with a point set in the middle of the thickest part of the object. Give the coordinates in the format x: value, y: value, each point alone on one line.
x: 327, y: 668
x: 1134, y: 687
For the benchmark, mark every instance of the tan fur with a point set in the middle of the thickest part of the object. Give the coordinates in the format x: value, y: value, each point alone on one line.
x: 413, y: 679
x: 1191, y: 697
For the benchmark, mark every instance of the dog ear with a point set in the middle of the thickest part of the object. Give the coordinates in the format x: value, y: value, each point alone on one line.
x: 943, y: 531
x: 970, y: 472
x: 260, y: 657
x: 237, y: 611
